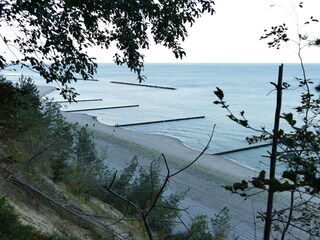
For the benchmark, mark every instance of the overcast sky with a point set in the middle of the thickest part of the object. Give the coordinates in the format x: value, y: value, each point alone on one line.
x: 232, y: 34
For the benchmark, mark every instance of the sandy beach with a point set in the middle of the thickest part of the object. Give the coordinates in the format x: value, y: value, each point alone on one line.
x: 204, y: 180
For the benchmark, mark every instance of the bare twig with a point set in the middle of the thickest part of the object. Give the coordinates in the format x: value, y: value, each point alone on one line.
x: 177, y: 215
x: 43, y: 150
x: 197, y: 158
x: 145, y: 214
x: 138, y: 209
x: 162, y: 187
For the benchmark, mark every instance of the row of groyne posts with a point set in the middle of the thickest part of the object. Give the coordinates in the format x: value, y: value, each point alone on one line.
x: 150, y: 122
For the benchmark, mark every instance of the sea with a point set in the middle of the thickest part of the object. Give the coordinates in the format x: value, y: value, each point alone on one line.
x: 246, y: 87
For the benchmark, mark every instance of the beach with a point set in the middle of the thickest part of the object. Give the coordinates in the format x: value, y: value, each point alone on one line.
x: 204, y: 180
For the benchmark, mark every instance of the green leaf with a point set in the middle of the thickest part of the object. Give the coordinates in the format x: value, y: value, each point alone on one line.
x: 257, y: 183
x: 219, y: 93
x: 286, y: 186
x: 289, y: 175
x: 2, y: 202
x: 228, y: 188
x: 289, y: 118
x: 262, y: 175
x: 244, y: 123
x: 240, y: 186
x: 233, y: 118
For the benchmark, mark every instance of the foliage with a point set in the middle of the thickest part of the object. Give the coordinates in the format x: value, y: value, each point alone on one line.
x: 85, y: 155
x: 60, y: 32
x: 221, y: 224
x: 30, y: 133
x: 20, y: 109
x: 15, y: 100
x: 11, y: 228
x: 142, y: 187
x: 199, y: 228
x: 86, y: 167
x: 298, y: 152
x: 146, y: 188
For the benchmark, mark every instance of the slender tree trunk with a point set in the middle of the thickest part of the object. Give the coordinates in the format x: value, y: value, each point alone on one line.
x: 273, y: 158
x: 283, y: 235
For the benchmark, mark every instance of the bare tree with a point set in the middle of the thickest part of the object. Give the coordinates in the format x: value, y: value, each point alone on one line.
x: 144, y: 213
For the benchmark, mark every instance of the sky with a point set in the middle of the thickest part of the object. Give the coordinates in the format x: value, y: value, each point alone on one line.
x: 232, y: 34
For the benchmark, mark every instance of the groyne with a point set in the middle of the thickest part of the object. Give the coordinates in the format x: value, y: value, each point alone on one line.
x: 242, y: 149
x: 101, y: 108
x: 144, y: 85
x: 159, y: 121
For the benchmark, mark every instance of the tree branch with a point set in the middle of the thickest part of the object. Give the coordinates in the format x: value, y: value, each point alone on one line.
x: 138, y: 209
x: 43, y: 150
x: 196, y: 159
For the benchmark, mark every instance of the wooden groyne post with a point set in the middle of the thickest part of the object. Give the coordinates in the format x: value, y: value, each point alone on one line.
x: 160, y: 121
x: 89, y: 79
x: 144, y: 85
x: 101, y: 108
x: 80, y: 100
x: 242, y: 149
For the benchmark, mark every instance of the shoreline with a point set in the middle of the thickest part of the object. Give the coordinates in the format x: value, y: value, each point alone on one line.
x: 169, y: 146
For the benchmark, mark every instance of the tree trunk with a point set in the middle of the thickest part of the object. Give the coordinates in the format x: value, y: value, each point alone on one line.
x: 273, y: 157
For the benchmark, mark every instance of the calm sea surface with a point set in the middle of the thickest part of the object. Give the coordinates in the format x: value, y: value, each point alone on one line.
x: 246, y: 86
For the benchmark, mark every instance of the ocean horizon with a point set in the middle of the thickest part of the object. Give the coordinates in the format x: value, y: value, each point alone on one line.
x: 246, y: 87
